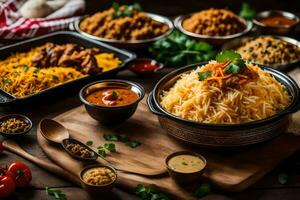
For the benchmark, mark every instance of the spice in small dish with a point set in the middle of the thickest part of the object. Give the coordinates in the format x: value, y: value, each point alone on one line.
x: 13, y: 126
x: 99, y: 176
x: 79, y: 150
x: 186, y: 163
x: 112, y: 97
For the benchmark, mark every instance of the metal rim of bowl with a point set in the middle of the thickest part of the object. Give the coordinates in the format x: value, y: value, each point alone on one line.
x: 178, y: 24
x: 23, y: 117
x: 284, y: 38
x: 155, y: 17
x: 95, y: 166
x: 125, y: 82
x: 268, y: 13
x: 294, y: 104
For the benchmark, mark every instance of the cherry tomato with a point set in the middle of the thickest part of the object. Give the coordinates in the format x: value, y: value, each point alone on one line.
x: 20, y: 172
x: 7, y: 186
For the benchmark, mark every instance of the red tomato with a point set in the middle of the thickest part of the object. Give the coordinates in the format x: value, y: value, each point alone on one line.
x: 21, y: 174
x: 7, y: 186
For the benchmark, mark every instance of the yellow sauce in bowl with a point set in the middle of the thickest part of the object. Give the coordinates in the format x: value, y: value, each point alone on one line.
x: 186, y: 163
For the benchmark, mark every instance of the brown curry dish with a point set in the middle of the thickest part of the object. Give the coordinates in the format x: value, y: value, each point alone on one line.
x: 136, y: 26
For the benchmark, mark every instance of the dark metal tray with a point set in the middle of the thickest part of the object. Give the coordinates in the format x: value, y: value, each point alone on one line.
x: 61, y: 38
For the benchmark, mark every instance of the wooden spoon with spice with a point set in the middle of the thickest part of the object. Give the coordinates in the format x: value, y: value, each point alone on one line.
x: 55, y: 132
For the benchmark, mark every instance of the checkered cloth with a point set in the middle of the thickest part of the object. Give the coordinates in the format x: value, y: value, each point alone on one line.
x: 15, y: 27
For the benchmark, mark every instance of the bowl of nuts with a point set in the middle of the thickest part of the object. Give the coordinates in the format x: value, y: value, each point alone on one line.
x: 14, y: 125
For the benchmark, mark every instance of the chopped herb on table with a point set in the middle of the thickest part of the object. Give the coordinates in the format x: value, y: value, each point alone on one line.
x: 89, y: 143
x: 122, y: 138
x: 178, y: 50
x: 283, y: 178
x: 111, y: 147
x: 149, y: 193
x: 247, y: 12
x: 203, y: 190
x: 57, y: 194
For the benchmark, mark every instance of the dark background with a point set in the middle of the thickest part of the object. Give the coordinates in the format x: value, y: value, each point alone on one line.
x: 177, y: 7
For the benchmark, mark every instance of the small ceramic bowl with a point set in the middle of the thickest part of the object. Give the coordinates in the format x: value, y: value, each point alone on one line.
x: 279, y: 30
x: 110, y: 115
x: 144, y: 66
x: 97, y: 189
x: 181, y: 177
x: 20, y: 117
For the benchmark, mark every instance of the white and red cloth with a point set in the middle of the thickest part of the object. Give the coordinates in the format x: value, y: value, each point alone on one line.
x: 15, y: 27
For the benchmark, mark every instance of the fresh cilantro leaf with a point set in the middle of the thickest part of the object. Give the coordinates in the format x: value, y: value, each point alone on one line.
x: 7, y: 81
x: 132, y: 143
x: 247, y: 12
x: 137, y: 6
x: 37, y: 70
x: 149, y: 193
x: 111, y: 147
x: 115, y: 6
x: 115, y: 94
x: 111, y: 137
x: 283, y: 178
x: 25, y: 68
x: 227, y: 56
x: 203, y: 190
x: 203, y: 75
x: 101, y: 151
x: 89, y: 143
x: 123, y: 138
x: 235, y: 67
x: 57, y: 194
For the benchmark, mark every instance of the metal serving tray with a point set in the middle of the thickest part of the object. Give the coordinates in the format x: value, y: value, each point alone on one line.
x: 61, y: 38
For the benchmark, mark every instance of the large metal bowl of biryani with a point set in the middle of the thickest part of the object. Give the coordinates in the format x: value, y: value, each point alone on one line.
x: 224, y: 103
x: 125, y: 26
x: 213, y: 25
x: 278, y: 52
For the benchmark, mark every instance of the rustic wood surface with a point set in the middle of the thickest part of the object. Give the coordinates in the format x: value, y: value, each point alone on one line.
x: 267, y: 188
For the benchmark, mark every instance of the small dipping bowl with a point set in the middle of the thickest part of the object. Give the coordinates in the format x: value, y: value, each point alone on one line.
x: 280, y: 29
x: 19, y: 117
x: 97, y: 189
x: 110, y: 115
x: 144, y: 66
x: 185, y: 177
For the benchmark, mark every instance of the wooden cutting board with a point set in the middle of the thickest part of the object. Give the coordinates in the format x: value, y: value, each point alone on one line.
x: 232, y: 170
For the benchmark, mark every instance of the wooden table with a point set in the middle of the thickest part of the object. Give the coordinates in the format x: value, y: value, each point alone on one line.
x: 267, y: 188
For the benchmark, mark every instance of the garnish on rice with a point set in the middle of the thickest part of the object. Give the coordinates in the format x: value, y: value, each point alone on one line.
x: 230, y: 70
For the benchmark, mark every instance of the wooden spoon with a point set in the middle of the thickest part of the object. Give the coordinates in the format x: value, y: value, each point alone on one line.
x: 55, y: 132
x: 13, y: 147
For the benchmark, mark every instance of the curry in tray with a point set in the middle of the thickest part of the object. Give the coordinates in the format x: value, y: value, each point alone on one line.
x: 49, y: 65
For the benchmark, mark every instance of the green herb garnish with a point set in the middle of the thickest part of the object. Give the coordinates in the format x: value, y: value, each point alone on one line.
x: 57, y: 194
x: 184, y: 163
x: 37, y: 70
x: 111, y: 147
x: 127, y: 11
x: 203, y: 190
x: 203, y: 75
x: 178, y: 50
x: 132, y: 143
x: 114, y: 94
x: 101, y: 151
x: 89, y: 143
x: 149, y: 193
x: 122, y: 138
x: 7, y: 81
x: 111, y: 137
x: 236, y: 63
x: 283, y: 178
x: 54, y: 77
x: 26, y: 68
x: 247, y: 12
